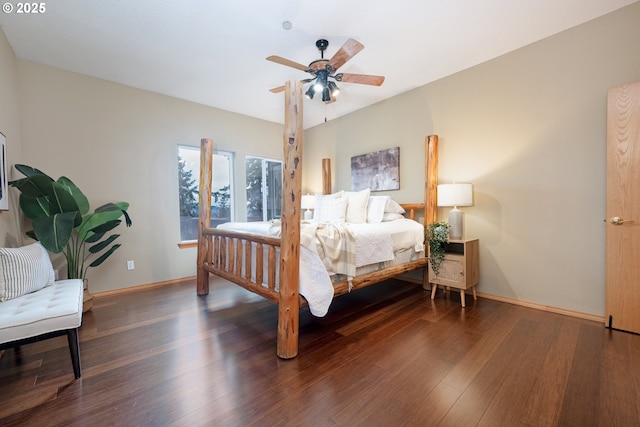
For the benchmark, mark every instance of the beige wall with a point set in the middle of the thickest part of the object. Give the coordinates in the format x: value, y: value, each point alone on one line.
x: 10, y: 128
x: 119, y: 143
x: 528, y: 130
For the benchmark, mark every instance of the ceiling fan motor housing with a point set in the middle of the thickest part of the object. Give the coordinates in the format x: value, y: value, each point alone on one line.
x: 322, y: 46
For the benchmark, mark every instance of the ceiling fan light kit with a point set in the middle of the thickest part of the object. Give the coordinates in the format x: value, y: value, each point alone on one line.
x: 323, y: 71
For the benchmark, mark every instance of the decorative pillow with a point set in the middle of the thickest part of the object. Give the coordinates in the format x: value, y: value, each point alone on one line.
x: 392, y: 216
x: 330, y: 208
x: 375, y: 208
x: 24, y: 270
x: 357, y: 206
x: 393, y: 207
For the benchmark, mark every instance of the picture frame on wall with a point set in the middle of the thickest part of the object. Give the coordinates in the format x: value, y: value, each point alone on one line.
x: 4, y: 175
x: 378, y: 171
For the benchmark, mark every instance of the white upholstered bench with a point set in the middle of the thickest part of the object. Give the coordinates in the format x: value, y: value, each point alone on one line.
x: 50, y: 311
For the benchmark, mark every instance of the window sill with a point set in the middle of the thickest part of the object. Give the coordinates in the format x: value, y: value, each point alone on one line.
x: 188, y: 244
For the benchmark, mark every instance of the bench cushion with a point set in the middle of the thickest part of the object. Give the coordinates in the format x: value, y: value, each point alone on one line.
x: 24, y: 270
x: 53, y: 308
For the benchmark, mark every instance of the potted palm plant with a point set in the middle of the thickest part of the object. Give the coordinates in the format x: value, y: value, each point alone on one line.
x: 437, y: 234
x: 61, y: 221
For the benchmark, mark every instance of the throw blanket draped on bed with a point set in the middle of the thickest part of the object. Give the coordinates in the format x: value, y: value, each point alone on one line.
x: 335, y: 245
x: 325, y: 249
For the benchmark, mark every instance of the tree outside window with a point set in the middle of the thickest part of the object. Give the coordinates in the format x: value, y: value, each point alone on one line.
x: 188, y: 180
x: 264, y: 188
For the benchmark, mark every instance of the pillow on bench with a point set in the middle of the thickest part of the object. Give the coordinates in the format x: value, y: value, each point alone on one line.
x: 24, y: 270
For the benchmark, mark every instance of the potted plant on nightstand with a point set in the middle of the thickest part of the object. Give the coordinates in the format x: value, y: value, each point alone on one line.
x: 61, y: 220
x: 436, y: 234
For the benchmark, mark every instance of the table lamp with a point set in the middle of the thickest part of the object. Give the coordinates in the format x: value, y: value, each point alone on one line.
x: 307, y: 203
x: 456, y: 194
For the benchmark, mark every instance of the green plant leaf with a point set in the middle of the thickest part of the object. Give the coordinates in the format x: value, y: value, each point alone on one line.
x: 101, y: 216
x: 28, y: 170
x: 34, y: 185
x: 61, y: 199
x: 114, y: 207
x: 93, y: 237
x: 34, y: 207
x: 54, y: 231
x: 101, y: 227
x: 100, y: 246
x: 104, y: 256
x: 76, y: 193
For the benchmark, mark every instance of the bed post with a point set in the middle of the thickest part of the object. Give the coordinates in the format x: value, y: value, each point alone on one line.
x: 204, y: 215
x: 431, y: 180
x: 326, y: 176
x: 289, y: 303
x: 430, y: 191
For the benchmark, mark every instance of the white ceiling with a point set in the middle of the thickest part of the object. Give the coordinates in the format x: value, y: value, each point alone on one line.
x: 213, y: 51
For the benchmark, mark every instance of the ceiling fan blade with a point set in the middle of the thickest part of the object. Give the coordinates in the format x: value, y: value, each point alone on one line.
x: 281, y: 88
x: 364, y: 79
x: 287, y: 62
x: 348, y: 50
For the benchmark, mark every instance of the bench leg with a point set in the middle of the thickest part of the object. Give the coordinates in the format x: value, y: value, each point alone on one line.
x: 74, y: 349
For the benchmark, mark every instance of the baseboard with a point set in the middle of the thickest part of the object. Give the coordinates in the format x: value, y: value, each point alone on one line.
x: 143, y: 287
x: 566, y: 312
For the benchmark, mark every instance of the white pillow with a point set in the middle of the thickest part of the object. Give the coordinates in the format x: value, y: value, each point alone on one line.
x: 357, y: 206
x: 24, y: 270
x: 375, y: 208
x: 392, y: 216
x: 393, y: 207
x: 330, y: 208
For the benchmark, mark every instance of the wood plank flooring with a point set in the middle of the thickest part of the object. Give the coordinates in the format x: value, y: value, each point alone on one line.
x: 384, y: 356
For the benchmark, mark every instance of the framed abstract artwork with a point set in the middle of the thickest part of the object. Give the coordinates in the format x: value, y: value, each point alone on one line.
x: 4, y: 187
x: 378, y: 171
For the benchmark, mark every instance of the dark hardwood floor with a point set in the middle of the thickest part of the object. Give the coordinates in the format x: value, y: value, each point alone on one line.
x: 384, y: 356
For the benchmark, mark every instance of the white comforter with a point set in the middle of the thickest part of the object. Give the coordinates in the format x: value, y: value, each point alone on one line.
x: 327, y: 249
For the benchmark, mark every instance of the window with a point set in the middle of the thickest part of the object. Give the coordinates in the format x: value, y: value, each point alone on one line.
x: 264, y: 188
x: 188, y: 181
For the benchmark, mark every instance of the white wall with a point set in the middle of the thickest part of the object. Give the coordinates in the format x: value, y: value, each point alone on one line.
x: 528, y: 130
x: 119, y: 143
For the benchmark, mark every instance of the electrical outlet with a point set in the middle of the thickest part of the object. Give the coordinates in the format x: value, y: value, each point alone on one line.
x: 130, y: 265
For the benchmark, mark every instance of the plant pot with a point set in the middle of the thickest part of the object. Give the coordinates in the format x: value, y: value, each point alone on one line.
x: 87, y: 298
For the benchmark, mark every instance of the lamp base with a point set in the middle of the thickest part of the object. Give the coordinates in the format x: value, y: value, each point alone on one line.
x: 455, y: 224
x: 308, y: 215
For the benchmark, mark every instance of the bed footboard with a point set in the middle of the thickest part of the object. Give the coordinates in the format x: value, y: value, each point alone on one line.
x: 241, y: 258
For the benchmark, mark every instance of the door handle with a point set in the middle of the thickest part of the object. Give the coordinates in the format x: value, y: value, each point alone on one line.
x: 616, y: 220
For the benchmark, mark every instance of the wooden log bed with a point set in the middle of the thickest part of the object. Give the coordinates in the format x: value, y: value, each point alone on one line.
x: 230, y: 254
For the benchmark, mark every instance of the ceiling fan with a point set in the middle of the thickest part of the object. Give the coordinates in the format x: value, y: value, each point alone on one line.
x: 324, y: 71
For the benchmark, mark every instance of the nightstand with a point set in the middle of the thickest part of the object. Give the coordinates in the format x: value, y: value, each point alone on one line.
x: 459, y: 269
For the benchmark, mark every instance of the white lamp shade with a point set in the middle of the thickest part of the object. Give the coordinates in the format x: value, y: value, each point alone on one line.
x: 456, y: 194
x: 307, y: 202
